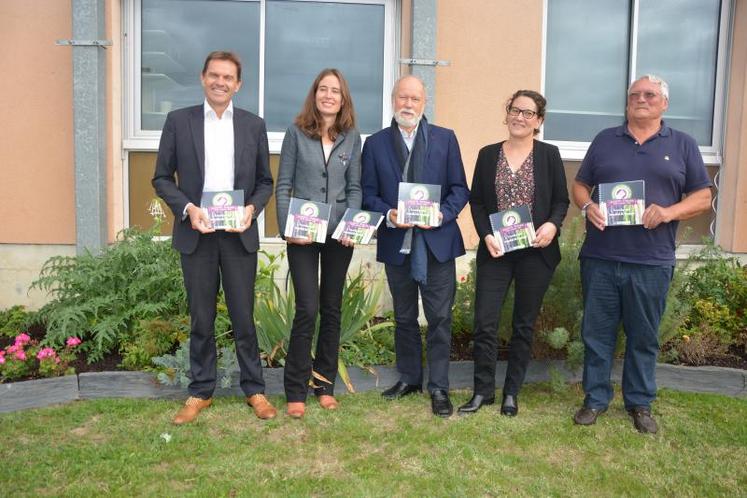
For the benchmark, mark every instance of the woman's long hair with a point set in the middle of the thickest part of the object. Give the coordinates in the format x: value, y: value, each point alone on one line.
x: 310, y: 121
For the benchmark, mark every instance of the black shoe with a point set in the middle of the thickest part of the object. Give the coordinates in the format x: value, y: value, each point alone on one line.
x: 474, y: 404
x: 440, y: 403
x: 510, y: 405
x: 401, y: 389
x: 587, y: 416
x: 642, y: 420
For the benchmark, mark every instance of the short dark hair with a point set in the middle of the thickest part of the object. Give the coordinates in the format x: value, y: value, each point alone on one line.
x: 223, y: 55
x: 537, y: 97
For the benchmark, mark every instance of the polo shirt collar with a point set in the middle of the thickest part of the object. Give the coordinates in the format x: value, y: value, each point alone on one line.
x: 664, y: 131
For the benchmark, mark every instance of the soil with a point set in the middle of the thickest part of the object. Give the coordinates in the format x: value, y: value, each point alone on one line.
x: 461, y: 350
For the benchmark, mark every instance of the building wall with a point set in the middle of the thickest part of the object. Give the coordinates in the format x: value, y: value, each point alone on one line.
x: 494, y: 49
x: 36, y: 144
x: 732, y: 198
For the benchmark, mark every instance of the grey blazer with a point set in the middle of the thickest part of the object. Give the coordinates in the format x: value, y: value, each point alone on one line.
x: 303, y: 174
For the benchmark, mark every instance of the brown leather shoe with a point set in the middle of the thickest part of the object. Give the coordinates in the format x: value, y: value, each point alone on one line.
x: 262, y: 408
x: 192, y: 407
x: 328, y: 402
x: 296, y: 409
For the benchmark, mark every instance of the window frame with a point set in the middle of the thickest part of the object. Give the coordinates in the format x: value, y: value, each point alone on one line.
x: 712, y: 154
x: 135, y: 139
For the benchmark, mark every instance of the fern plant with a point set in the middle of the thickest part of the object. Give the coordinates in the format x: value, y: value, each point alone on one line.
x: 100, y: 298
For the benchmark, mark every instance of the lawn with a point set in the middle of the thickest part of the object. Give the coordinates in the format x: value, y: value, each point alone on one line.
x: 371, y: 447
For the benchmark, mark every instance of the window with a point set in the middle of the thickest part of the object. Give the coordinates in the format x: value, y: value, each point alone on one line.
x: 283, y: 44
x: 594, y: 49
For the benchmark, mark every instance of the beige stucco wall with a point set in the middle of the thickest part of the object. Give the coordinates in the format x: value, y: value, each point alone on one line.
x: 36, y: 145
x: 732, y: 198
x: 494, y: 48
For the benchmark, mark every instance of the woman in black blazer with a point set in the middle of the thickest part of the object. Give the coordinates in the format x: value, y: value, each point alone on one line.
x: 518, y: 171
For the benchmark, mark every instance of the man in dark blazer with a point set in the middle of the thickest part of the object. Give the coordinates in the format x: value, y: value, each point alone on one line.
x: 215, y: 147
x: 417, y: 258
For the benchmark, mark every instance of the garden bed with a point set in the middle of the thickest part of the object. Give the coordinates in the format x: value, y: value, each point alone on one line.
x: 93, y: 385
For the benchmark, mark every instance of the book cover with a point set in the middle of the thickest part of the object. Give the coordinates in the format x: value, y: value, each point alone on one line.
x: 513, y: 229
x: 307, y: 219
x: 418, y: 204
x: 623, y: 203
x: 225, y: 209
x: 358, y: 225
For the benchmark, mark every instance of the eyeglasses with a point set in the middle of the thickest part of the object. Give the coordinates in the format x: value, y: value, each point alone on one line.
x: 527, y: 113
x: 646, y: 95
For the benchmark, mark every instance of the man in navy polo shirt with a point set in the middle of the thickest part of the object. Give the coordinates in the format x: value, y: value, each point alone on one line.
x: 626, y: 270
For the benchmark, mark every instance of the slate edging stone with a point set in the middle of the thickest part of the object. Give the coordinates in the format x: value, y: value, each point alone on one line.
x: 96, y: 385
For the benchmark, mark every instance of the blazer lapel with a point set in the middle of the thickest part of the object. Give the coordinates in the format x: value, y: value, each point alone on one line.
x: 197, y: 124
x: 239, y: 134
x: 536, y: 166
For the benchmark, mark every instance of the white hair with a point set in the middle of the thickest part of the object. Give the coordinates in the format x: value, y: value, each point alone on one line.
x: 396, y: 85
x: 653, y: 79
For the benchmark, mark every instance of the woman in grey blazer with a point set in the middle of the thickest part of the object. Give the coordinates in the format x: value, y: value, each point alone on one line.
x: 320, y: 161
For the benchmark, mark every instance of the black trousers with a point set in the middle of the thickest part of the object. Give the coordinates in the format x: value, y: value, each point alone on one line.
x: 315, y: 293
x: 438, y: 299
x: 531, y: 276
x: 221, y: 256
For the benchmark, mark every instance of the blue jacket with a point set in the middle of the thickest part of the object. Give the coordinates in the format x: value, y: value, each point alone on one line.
x: 380, y: 177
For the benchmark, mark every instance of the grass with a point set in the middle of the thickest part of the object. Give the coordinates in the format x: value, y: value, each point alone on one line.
x: 371, y: 447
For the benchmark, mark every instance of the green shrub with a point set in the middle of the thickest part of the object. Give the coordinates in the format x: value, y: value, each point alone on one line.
x: 151, y: 338
x: 15, y: 320
x: 709, y: 304
x: 101, y: 298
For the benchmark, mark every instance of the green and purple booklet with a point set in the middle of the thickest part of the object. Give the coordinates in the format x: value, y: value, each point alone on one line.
x: 622, y: 203
x: 418, y: 204
x: 358, y: 225
x: 307, y: 219
x: 225, y: 209
x: 513, y: 228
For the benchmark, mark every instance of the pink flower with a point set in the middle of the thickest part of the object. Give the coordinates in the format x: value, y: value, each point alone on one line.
x: 22, y: 339
x: 73, y: 341
x: 2, y: 357
x: 14, y: 348
x: 46, y: 353
x: 21, y: 355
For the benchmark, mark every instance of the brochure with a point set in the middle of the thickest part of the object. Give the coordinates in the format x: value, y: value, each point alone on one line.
x: 307, y: 219
x: 418, y: 204
x: 513, y: 229
x: 225, y: 208
x: 622, y: 203
x: 358, y: 225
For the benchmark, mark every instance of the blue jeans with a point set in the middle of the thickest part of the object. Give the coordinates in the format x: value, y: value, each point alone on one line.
x: 636, y: 295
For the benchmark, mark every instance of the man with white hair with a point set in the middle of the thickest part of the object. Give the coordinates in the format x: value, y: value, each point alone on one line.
x: 626, y: 270
x: 418, y: 258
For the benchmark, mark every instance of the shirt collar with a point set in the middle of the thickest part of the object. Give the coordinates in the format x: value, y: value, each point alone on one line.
x: 664, y: 131
x: 209, y: 113
x: 409, y: 136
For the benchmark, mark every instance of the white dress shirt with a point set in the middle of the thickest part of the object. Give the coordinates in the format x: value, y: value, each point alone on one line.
x: 219, y: 153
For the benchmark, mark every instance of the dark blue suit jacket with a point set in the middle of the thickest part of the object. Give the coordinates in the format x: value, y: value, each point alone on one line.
x: 381, y: 174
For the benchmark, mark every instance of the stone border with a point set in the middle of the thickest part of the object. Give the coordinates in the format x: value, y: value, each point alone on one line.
x: 44, y: 392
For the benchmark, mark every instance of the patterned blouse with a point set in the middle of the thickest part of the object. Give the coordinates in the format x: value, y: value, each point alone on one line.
x: 514, y: 189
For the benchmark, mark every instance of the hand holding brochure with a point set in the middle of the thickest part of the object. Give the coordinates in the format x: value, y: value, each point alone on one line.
x: 418, y: 204
x: 307, y: 219
x: 622, y: 203
x: 225, y: 209
x: 513, y: 229
x: 358, y: 225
